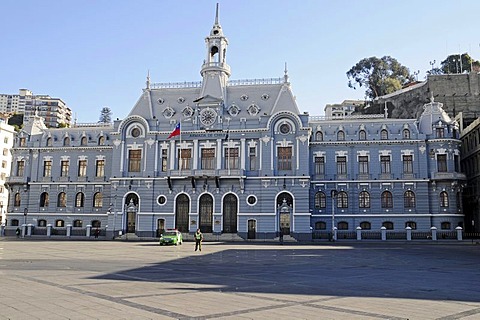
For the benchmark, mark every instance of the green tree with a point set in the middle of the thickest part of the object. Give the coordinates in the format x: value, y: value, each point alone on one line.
x: 458, y: 63
x: 379, y: 76
x: 105, y: 115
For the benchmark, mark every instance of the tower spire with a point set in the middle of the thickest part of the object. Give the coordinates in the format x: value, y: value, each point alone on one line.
x: 216, y: 15
x: 285, y: 76
x: 148, y: 79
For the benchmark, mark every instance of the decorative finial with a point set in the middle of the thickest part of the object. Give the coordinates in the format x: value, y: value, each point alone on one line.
x: 285, y: 77
x: 216, y: 15
x: 148, y: 79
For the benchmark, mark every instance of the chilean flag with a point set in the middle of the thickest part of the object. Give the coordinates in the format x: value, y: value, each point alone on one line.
x: 175, y: 132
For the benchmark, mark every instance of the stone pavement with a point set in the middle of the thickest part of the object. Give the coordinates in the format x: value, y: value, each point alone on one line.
x: 141, y: 280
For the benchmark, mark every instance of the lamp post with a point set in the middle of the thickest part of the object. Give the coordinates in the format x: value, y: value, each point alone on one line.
x: 25, y: 212
x: 333, y: 193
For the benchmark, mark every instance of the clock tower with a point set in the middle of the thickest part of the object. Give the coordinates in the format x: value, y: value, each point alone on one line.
x: 215, y: 72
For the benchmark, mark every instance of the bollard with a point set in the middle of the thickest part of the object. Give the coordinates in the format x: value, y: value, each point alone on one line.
x: 384, y: 233
x: 359, y: 233
x: 434, y: 233
x: 409, y: 233
x: 89, y: 230
x: 459, y: 233
x: 49, y: 230
x: 24, y: 230
x: 69, y: 230
x: 334, y: 233
x: 29, y: 229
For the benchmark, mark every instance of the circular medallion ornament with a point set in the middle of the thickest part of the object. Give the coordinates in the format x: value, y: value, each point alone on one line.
x: 187, y: 111
x: 253, y: 110
x: 285, y: 128
x: 160, y: 100
x: 168, y: 112
x: 208, y: 116
x: 233, y: 110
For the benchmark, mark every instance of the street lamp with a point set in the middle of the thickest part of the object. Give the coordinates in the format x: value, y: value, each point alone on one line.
x: 333, y: 194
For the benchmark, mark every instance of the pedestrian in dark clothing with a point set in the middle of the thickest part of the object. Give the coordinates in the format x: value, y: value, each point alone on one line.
x: 97, y: 232
x: 17, y: 232
x: 281, y: 236
x: 198, y: 240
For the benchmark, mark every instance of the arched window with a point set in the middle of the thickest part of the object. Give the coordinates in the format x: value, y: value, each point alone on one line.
x: 44, y: 199
x: 388, y: 225
x: 77, y: 223
x: 18, y: 200
x: 42, y: 223
x: 446, y: 225
x: 341, y: 135
x: 320, y: 200
x: 387, y: 199
x: 96, y: 224
x: 406, y: 134
x: 98, y: 200
x: 365, y: 225
x: 62, y: 200
x: 409, y: 199
x: 319, y: 136
x: 66, y: 141
x: 49, y: 142
x: 59, y: 223
x: 384, y: 134
x: 411, y: 224
x: 83, y: 141
x: 443, y: 199
x: 101, y: 140
x: 364, y: 200
x: 342, y: 200
x: 320, y: 225
x: 79, y: 200
x: 362, y: 135
x: 342, y: 225
x: 182, y: 209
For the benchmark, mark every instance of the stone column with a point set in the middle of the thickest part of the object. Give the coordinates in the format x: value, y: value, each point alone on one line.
x: 359, y: 233
x: 384, y: 233
x: 434, y: 233
x: 409, y: 233
x: 459, y: 233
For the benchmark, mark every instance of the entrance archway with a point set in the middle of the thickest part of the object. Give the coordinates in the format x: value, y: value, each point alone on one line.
x: 205, y: 215
x: 230, y: 208
x: 182, y: 209
x: 131, y: 204
x: 284, y: 212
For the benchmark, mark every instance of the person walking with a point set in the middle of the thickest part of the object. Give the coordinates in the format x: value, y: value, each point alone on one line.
x: 198, y: 240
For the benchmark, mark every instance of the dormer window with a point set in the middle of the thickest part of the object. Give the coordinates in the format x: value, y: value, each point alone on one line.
x: 319, y: 136
x: 340, y: 136
x: 66, y: 142
x: 406, y: 134
x: 362, y: 135
x: 384, y: 135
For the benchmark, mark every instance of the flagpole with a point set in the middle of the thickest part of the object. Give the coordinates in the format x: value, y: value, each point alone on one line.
x: 181, y: 156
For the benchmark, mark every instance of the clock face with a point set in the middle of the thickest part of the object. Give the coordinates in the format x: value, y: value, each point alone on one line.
x: 208, y: 116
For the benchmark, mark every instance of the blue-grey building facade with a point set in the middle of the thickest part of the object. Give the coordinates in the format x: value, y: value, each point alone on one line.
x: 235, y: 157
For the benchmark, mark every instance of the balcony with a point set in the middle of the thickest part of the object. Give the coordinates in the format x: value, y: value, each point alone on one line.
x: 231, y: 172
x: 448, y: 176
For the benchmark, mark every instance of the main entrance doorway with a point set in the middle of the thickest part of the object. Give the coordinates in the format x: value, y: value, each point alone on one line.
x: 206, y: 213
x: 131, y: 204
x: 284, y: 211
x: 230, y: 208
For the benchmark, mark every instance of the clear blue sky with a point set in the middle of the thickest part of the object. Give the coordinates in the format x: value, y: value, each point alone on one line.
x: 96, y: 53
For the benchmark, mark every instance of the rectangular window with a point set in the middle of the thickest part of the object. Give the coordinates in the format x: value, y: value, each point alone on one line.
x: 284, y: 158
x: 407, y: 164
x: 319, y: 165
x: 100, y: 168
x: 208, y: 158
x: 342, y: 165
x: 4, y: 164
x: 385, y: 164
x: 164, y: 160
x: 23, y: 142
x: 456, y: 160
x: 363, y: 164
x: 185, y: 156
x: 20, y: 168
x: 65, y: 165
x: 439, y: 132
x: 134, y: 160
x: 5, y: 140
x: 253, y: 158
x: 47, y: 168
x: 231, y: 158
x: 82, y: 168
x: 442, y: 162
x: 5, y: 152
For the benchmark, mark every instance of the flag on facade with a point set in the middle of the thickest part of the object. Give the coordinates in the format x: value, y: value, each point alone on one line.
x: 175, y: 132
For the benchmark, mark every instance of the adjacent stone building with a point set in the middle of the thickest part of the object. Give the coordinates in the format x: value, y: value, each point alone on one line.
x: 236, y: 158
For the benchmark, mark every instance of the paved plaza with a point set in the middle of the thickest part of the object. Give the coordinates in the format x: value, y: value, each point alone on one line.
x: 141, y: 280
